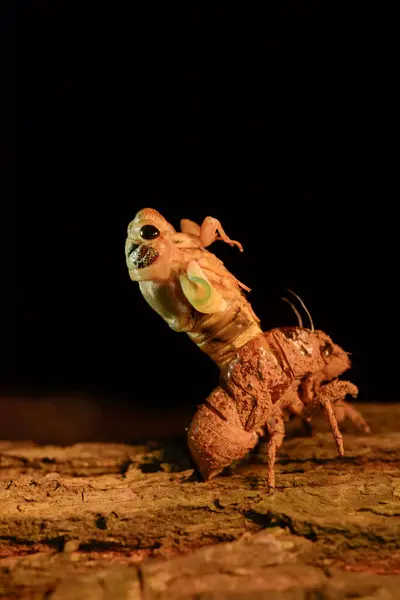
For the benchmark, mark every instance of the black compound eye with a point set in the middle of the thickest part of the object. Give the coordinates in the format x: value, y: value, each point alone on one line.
x: 327, y: 349
x: 149, y: 232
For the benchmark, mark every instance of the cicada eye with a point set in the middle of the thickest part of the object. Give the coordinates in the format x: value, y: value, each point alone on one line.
x: 327, y: 349
x: 149, y: 232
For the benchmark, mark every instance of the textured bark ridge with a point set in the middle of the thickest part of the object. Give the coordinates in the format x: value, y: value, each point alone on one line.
x: 115, y: 521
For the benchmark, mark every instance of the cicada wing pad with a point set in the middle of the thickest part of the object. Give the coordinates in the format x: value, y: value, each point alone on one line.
x: 256, y: 381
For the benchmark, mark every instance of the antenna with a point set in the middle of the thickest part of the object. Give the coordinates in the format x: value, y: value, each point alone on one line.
x: 304, y: 306
x: 296, y: 312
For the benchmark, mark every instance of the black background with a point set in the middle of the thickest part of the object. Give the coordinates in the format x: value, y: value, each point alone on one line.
x: 276, y: 118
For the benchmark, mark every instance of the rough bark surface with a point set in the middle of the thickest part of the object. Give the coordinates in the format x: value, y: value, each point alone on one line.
x: 115, y: 521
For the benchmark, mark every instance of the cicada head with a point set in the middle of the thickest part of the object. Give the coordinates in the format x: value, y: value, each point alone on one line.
x: 337, y: 361
x: 148, y: 247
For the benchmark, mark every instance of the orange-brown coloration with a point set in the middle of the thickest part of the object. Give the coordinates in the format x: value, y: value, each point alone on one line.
x: 279, y: 372
x: 264, y: 375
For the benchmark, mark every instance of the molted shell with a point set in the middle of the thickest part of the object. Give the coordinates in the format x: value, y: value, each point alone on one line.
x: 216, y: 436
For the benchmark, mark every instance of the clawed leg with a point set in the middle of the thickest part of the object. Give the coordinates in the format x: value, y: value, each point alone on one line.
x: 211, y: 230
x: 333, y: 394
x: 344, y: 410
x: 322, y: 398
x: 326, y: 404
x: 336, y: 391
x: 330, y: 397
x: 276, y: 431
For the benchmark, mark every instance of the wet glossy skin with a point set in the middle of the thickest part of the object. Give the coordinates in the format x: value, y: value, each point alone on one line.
x: 149, y: 249
x: 158, y: 257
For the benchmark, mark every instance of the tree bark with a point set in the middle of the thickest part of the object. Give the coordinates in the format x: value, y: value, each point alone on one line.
x: 118, y: 521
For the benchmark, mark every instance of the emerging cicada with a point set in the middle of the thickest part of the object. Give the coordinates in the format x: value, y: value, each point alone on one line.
x: 263, y: 375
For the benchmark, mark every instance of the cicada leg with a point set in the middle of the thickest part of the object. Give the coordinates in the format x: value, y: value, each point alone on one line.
x: 327, y: 405
x: 331, y: 397
x: 344, y: 410
x: 211, y: 230
x: 276, y: 431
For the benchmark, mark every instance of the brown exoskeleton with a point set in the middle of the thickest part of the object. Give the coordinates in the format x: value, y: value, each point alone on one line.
x: 263, y: 375
x: 308, y: 396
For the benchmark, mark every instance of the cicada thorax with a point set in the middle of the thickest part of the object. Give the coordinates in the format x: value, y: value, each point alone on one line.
x: 298, y: 350
x: 268, y: 367
x: 256, y: 381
